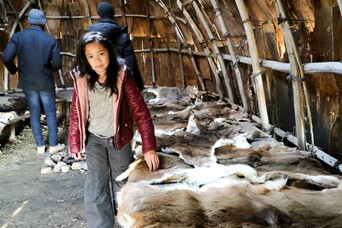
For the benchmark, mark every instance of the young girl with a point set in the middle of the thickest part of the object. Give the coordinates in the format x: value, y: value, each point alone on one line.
x: 105, y: 97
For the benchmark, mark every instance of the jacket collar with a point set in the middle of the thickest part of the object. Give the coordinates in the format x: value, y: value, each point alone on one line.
x: 108, y: 20
x: 35, y: 27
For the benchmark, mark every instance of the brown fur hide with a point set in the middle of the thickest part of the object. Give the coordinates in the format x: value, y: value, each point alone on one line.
x: 206, y: 180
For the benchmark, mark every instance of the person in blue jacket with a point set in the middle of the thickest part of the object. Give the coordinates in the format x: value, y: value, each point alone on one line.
x: 119, y: 37
x: 38, y: 56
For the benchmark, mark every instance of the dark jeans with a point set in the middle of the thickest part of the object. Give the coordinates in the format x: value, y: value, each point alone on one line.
x: 48, y: 99
x: 105, y: 163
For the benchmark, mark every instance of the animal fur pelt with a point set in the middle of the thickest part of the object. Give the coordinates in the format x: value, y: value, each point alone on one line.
x: 217, y: 169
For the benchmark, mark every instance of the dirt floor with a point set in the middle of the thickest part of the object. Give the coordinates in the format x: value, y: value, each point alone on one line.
x: 30, y: 199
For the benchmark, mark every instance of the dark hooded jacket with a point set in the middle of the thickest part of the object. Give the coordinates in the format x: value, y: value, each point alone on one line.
x: 120, y: 38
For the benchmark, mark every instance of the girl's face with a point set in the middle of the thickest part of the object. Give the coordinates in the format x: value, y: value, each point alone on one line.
x: 98, y: 57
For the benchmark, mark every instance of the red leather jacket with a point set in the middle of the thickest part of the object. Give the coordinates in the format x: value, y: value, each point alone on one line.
x: 129, y: 103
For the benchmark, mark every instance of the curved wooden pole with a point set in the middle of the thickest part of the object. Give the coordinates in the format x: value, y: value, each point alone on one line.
x: 180, y: 55
x: 180, y: 38
x: 15, y: 13
x: 231, y: 50
x: 255, y: 65
x: 297, y: 86
x: 123, y: 16
x: 87, y: 11
x: 206, y: 49
x: 216, y: 49
x: 6, y: 73
x: 150, y: 43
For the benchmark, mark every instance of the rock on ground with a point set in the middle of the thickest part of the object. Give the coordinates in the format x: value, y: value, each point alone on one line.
x: 30, y: 199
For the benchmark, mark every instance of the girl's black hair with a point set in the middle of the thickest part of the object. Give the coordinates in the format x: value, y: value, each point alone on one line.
x: 84, y: 67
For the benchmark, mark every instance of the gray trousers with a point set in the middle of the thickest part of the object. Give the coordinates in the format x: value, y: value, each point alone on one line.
x: 105, y: 163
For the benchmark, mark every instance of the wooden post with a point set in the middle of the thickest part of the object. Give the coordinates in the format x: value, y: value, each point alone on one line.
x: 180, y: 56
x: 217, y: 52
x: 296, y: 72
x: 255, y: 64
x: 123, y: 16
x: 202, y: 42
x: 6, y: 73
x: 9, y: 2
x: 150, y: 42
x: 87, y: 11
x: 224, y: 31
x: 181, y: 62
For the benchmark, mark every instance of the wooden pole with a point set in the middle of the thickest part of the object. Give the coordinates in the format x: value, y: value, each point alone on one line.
x: 202, y: 42
x: 255, y: 64
x: 309, y: 68
x: 296, y: 72
x: 150, y: 42
x: 87, y: 11
x: 9, y: 2
x: 181, y: 39
x: 123, y: 16
x: 6, y: 73
x: 224, y: 31
x: 179, y: 49
x: 217, y: 52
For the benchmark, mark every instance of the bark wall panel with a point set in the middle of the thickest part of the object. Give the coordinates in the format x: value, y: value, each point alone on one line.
x: 284, y: 100
x: 324, y: 95
x: 160, y: 64
x: 144, y: 59
x: 174, y: 70
x: 147, y: 69
x: 273, y: 77
x: 137, y: 26
x: 69, y: 46
x: 79, y: 25
x: 159, y: 23
x: 232, y: 18
x: 337, y: 33
x: 335, y: 142
x: 321, y: 33
x: 54, y: 25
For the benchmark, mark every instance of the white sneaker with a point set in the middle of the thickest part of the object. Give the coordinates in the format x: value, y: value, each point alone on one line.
x: 41, y: 149
x: 55, y: 149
